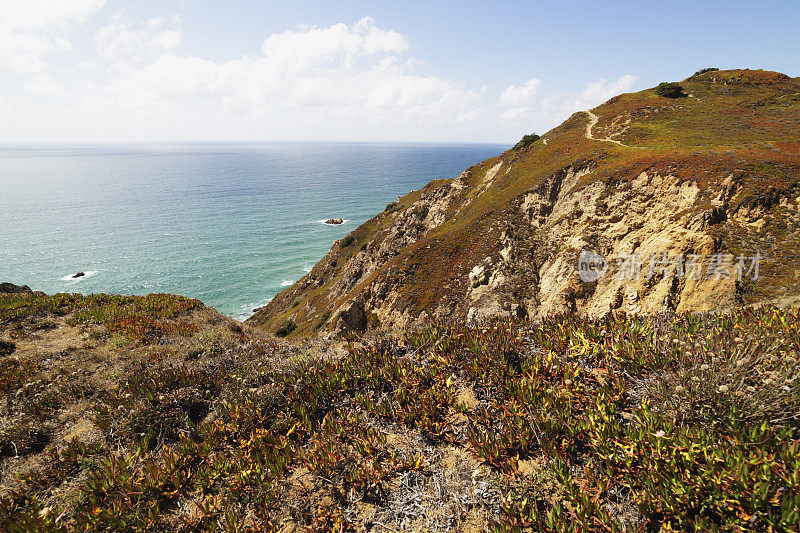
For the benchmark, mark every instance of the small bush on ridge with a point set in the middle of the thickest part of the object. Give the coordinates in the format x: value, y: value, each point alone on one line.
x: 526, y: 141
x: 704, y: 70
x: 670, y: 90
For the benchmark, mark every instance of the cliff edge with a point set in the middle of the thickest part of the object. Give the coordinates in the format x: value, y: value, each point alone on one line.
x: 646, y: 203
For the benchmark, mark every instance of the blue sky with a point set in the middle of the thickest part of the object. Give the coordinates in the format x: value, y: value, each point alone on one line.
x: 186, y: 70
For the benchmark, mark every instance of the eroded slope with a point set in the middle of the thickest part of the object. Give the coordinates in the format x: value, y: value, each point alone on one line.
x: 711, y: 176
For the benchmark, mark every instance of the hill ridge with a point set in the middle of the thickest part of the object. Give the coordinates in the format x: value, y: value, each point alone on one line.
x: 717, y: 167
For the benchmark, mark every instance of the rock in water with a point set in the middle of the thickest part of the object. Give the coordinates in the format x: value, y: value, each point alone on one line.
x: 79, y: 275
x: 334, y: 221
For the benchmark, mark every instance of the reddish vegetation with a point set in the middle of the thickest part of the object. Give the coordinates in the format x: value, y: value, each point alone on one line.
x: 565, y: 425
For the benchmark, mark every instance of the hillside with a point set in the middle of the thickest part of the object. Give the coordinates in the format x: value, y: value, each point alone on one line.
x: 157, y: 414
x: 586, y: 402
x: 650, y: 183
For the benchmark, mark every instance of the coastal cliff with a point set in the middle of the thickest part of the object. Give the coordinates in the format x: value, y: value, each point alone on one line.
x: 157, y: 413
x: 689, y: 202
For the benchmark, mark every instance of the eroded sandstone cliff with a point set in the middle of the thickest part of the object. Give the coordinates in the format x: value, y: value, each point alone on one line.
x: 687, y: 203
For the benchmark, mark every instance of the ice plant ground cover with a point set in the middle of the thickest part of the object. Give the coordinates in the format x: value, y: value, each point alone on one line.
x: 639, y: 422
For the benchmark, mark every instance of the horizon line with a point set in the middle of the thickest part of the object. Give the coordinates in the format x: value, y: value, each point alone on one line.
x: 107, y: 142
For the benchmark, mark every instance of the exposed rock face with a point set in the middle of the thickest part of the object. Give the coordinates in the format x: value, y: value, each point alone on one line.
x: 334, y: 221
x: 352, y: 318
x: 642, y: 229
x: 691, y: 227
x: 11, y: 288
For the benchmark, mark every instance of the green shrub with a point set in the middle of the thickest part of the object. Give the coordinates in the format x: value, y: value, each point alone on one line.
x: 347, y: 241
x: 287, y: 327
x: 704, y: 70
x: 670, y: 90
x: 392, y: 207
x: 526, y: 141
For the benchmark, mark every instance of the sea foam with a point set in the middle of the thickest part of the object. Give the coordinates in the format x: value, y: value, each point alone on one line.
x: 86, y: 274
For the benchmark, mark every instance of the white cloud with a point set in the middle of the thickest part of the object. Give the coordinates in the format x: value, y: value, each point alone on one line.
x: 519, y: 100
x: 520, y: 96
x: 121, y: 44
x: 599, y: 91
x: 31, y: 29
x: 345, y: 74
x: 47, y: 14
x: 341, y: 82
x: 42, y: 84
x: 337, y: 47
x: 595, y: 93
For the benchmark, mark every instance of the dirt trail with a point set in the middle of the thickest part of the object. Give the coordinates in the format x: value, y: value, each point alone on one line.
x: 593, y: 119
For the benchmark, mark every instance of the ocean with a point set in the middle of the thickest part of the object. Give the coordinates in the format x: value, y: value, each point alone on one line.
x: 230, y: 224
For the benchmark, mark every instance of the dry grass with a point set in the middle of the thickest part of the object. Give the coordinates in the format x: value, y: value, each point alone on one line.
x: 750, y: 382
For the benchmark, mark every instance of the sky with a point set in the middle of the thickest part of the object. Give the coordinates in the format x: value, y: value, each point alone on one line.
x: 433, y: 71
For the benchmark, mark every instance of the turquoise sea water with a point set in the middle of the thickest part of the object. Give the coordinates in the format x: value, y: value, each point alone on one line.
x: 230, y: 224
